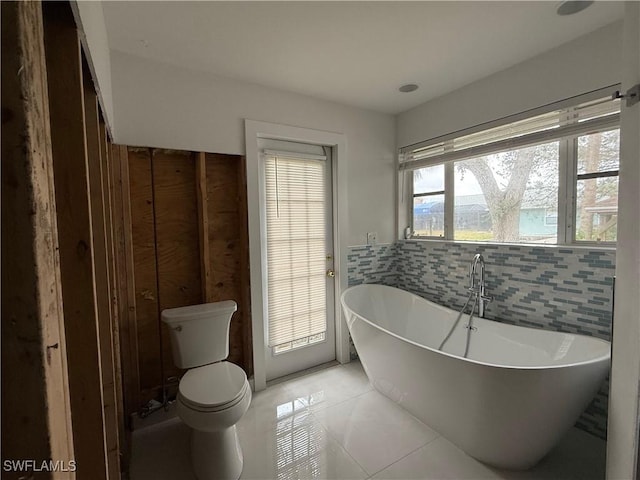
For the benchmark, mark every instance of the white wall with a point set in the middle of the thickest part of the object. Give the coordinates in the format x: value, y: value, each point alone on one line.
x: 622, y: 446
x: 90, y: 20
x: 588, y: 63
x: 163, y: 106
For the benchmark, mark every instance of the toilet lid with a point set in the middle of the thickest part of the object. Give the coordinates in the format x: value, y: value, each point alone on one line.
x: 214, y: 384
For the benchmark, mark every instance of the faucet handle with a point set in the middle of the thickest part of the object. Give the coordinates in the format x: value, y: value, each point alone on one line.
x: 486, y: 298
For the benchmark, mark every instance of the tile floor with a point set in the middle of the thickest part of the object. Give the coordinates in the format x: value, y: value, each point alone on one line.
x: 331, y: 424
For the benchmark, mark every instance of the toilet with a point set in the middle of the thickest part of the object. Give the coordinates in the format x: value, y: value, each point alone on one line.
x: 213, y: 394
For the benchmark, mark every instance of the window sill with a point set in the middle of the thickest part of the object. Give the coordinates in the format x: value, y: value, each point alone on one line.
x: 574, y: 246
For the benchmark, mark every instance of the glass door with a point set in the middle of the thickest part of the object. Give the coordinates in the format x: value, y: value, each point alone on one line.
x: 299, y: 260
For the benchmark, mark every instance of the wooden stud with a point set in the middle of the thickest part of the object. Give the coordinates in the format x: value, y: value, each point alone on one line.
x: 101, y: 264
x: 105, y: 156
x: 127, y: 225
x: 36, y: 415
x: 124, y: 430
x: 145, y: 273
x: 64, y: 75
x: 203, y: 226
x: 125, y: 281
x: 119, y: 282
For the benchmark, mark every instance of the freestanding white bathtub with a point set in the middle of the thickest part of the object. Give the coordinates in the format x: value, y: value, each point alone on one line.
x: 507, y: 404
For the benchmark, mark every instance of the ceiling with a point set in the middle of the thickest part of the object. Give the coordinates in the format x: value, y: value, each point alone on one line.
x: 354, y: 53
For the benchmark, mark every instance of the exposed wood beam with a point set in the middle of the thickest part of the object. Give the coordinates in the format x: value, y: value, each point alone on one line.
x: 66, y: 103
x: 125, y: 280
x: 105, y: 156
x: 145, y: 276
x: 36, y: 415
x: 101, y: 264
x: 203, y: 226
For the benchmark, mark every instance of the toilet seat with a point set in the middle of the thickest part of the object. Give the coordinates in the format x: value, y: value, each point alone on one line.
x: 214, y: 387
x: 215, y: 408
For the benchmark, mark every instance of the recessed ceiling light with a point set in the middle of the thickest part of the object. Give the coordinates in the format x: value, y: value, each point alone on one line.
x: 409, y: 87
x: 569, y: 7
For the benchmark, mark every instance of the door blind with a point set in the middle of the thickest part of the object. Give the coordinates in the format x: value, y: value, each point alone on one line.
x: 296, y: 247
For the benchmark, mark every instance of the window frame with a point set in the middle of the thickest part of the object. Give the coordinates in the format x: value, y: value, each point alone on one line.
x: 568, y: 178
x: 572, y: 212
x: 443, y: 192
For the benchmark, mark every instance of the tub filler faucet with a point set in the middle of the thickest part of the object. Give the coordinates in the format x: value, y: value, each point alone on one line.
x: 476, y: 283
x: 477, y: 294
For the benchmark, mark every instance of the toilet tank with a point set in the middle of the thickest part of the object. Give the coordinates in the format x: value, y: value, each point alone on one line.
x: 199, y: 333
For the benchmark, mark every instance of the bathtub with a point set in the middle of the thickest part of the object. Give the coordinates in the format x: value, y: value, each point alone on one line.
x: 507, y: 404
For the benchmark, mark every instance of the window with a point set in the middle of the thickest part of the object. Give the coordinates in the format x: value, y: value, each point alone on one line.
x: 596, y: 213
x: 550, y: 178
x: 506, y: 196
x: 428, y: 201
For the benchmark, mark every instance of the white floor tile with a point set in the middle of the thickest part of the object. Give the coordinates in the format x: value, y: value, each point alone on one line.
x: 161, y: 452
x: 297, y: 448
x: 331, y: 424
x: 374, y: 431
x: 576, y: 458
x: 329, y: 387
x: 439, y: 460
x: 579, y: 456
x: 267, y: 406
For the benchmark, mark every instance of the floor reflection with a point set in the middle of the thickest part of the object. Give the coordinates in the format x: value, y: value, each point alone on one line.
x: 299, y: 441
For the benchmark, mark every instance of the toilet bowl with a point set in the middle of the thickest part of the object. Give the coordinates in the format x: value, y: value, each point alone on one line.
x: 211, y: 400
x: 213, y: 394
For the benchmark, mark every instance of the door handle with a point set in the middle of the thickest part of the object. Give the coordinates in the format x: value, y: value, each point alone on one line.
x: 331, y: 273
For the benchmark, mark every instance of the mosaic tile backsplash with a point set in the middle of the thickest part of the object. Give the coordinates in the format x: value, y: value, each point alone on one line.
x: 372, y: 264
x: 554, y: 288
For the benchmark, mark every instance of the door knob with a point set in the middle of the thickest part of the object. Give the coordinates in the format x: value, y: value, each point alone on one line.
x: 331, y: 273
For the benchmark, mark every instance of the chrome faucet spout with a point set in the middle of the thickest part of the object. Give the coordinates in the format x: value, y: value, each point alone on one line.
x: 476, y: 282
x: 474, y: 285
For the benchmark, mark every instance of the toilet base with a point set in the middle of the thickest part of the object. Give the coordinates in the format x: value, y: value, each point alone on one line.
x: 216, y: 455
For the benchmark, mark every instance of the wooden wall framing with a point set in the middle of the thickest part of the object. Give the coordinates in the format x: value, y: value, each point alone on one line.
x: 36, y: 413
x: 122, y: 288
x: 190, y: 245
x: 64, y: 283
x: 97, y: 240
x: 100, y: 225
x: 74, y: 215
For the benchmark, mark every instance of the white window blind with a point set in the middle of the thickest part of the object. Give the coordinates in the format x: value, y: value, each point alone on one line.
x: 296, y: 247
x: 584, y: 118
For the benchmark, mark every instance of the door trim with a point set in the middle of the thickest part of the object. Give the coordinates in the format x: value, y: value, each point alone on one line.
x: 255, y: 130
